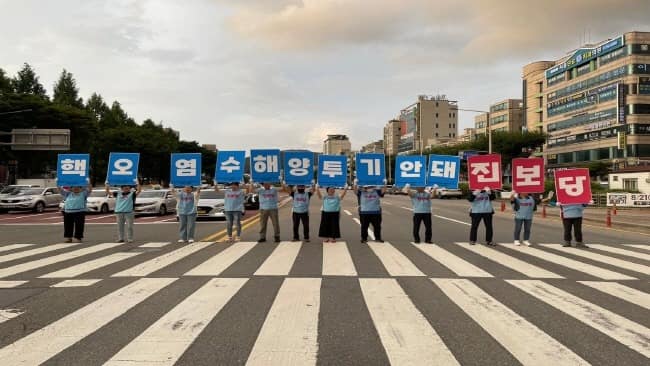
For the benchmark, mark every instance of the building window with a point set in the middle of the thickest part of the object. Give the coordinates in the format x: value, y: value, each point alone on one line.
x: 436, y: 134
x: 630, y: 184
x: 436, y: 125
x: 449, y: 134
x: 615, y: 178
x: 436, y: 115
x: 450, y: 125
x: 453, y: 134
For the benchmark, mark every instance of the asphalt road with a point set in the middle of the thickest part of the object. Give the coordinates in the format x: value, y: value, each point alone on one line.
x: 158, y: 302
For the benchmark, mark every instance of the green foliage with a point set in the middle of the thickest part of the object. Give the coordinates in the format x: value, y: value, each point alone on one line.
x: 26, y: 82
x: 66, y: 91
x: 5, y: 83
x: 598, y: 168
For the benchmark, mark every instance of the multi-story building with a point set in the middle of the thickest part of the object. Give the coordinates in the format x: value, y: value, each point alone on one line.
x: 468, y: 135
x: 594, y: 103
x: 506, y: 115
x: 392, y: 137
x: 429, y: 121
x: 337, y: 145
x: 374, y: 147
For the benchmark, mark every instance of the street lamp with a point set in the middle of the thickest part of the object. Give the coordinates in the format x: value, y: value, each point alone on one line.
x: 487, y: 125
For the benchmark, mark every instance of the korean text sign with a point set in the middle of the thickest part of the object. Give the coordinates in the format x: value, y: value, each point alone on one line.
x: 412, y: 170
x: 230, y: 166
x: 528, y: 175
x: 265, y: 166
x: 484, y: 171
x: 122, y: 168
x: 298, y: 167
x: 572, y: 186
x: 72, y: 170
x: 185, y: 169
x: 370, y: 169
x: 332, y: 170
x: 444, y: 171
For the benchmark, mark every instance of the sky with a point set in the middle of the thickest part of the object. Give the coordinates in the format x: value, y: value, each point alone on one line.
x: 245, y: 74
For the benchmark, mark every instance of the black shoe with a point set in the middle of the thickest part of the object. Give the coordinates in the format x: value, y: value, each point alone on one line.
x: 428, y: 241
x: 261, y: 240
x: 379, y: 241
x: 277, y: 240
x: 306, y: 240
x: 566, y: 244
x: 581, y: 245
x: 416, y: 241
x: 472, y: 243
x: 120, y: 241
x: 364, y: 241
x: 490, y: 244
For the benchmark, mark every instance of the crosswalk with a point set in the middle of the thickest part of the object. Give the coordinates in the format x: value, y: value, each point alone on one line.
x: 411, y: 303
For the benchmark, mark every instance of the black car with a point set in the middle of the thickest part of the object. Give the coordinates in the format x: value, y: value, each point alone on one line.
x: 251, y: 202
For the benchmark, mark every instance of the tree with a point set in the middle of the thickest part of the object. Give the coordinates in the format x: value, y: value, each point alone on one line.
x: 66, y: 91
x: 598, y: 169
x: 5, y: 83
x: 116, y: 117
x: 97, y: 107
x: 26, y: 82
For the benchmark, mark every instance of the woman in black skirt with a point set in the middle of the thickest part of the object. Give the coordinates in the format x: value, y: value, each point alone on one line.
x: 330, y: 214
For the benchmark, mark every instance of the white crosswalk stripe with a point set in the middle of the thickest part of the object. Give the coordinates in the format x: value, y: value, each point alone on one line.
x: 279, y: 263
x: 396, y: 263
x: 160, y: 262
x: 456, y: 264
x: 84, y: 267
x: 618, y: 250
x: 510, y: 261
x: 639, y: 246
x: 34, y: 251
x: 7, y: 248
x: 155, y: 244
x: 337, y: 260
x: 218, y: 263
x: 616, y: 262
x: 8, y: 314
x: 623, y: 292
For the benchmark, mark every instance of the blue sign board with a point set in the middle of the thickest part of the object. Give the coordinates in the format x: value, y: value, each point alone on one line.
x: 584, y: 55
x: 370, y: 169
x: 332, y: 170
x: 230, y: 166
x: 444, y: 171
x: 265, y: 166
x: 411, y: 169
x: 185, y: 169
x: 298, y: 167
x: 122, y: 169
x: 72, y: 170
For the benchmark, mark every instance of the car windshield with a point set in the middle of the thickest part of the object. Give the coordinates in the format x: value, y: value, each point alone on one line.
x: 152, y: 194
x: 211, y: 195
x: 27, y: 192
x: 98, y: 194
x: 9, y: 189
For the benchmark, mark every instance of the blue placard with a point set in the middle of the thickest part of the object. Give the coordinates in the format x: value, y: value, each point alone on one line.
x: 332, y: 170
x: 411, y: 169
x: 230, y: 166
x: 444, y: 170
x: 185, y: 169
x: 72, y: 170
x: 265, y: 166
x: 298, y: 167
x: 122, y: 169
x: 371, y: 169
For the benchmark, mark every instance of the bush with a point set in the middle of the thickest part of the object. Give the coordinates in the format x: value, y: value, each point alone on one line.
x: 464, y: 187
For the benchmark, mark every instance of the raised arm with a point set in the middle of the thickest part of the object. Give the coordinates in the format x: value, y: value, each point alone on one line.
x: 317, y: 189
x: 345, y: 191
x: 108, y: 189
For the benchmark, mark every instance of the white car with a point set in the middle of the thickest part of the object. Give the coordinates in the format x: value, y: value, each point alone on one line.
x: 449, y: 193
x: 98, y: 202
x: 210, y: 205
x: 155, y: 202
x: 34, y: 199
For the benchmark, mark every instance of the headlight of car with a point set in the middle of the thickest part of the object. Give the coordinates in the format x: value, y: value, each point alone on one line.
x: 25, y: 199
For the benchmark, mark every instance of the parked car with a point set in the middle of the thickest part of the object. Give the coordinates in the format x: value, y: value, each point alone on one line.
x: 35, y: 199
x: 12, y: 188
x: 210, y: 205
x: 155, y: 202
x: 252, y: 202
x: 98, y: 202
x: 449, y: 193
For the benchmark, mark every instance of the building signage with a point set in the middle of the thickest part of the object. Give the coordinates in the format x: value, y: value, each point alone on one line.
x: 628, y: 199
x: 620, y: 97
x: 584, y: 55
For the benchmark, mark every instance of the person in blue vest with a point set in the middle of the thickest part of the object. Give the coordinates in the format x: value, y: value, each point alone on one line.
x: 572, y: 218
x: 186, y: 203
x: 330, y: 217
x: 74, y: 211
x: 481, y: 210
x: 233, y: 208
x: 369, y: 200
x: 421, y: 200
x: 524, y: 206
x: 300, y: 209
x: 268, y: 198
x: 124, y: 203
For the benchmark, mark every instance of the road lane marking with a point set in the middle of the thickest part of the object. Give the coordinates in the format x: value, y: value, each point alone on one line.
x: 396, y: 263
x: 11, y: 284
x: 294, y: 316
x: 453, y: 220
x: 222, y: 260
x: 627, y: 332
x: 155, y: 244
x: 98, y: 218
x: 28, y: 266
x: 48, y: 341
x: 347, y: 212
x: 617, y: 250
x: 7, y: 248
x: 76, y: 283
x: 407, y: 208
x: 405, y: 333
x: 281, y: 260
x: 337, y: 260
x: 371, y: 234
x: 35, y: 251
x: 622, y: 292
x: 630, y: 266
x: 639, y: 246
x: 8, y: 314
x: 455, y: 264
x: 165, y: 341
x: 84, y: 267
x: 509, y: 261
x: 162, y: 261
x: 508, y: 328
x: 573, y: 264
x: 22, y: 217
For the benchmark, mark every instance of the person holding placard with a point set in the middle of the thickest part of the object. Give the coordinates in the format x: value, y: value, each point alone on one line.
x: 572, y: 219
x: 187, y: 201
x: 481, y: 210
x: 74, y: 211
x: 524, y: 206
x: 233, y: 209
x: 268, y: 198
x: 300, y: 209
x: 330, y: 214
x: 124, y: 203
x: 369, y: 200
x: 421, y: 200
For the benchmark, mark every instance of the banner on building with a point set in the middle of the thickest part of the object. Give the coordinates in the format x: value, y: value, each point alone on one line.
x: 332, y: 170
x: 265, y: 166
x: 412, y: 170
x: 298, y: 167
x: 72, y: 170
x: 370, y: 169
x: 628, y: 199
x: 185, y: 169
x: 230, y: 166
x: 572, y: 186
x: 528, y: 175
x: 484, y: 171
x: 444, y: 171
x: 122, y: 169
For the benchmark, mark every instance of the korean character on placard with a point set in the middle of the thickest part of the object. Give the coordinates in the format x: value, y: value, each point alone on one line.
x: 410, y: 169
x: 266, y: 164
x: 332, y: 168
x: 186, y: 167
x: 572, y: 186
x: 299, y: 167
x: 373, y: 165
x: 443, y: 169
x: 528, y: 176
x: 230, y: 164
x: 123, y: 167
x: 486, y: 172
x: 73, y: 166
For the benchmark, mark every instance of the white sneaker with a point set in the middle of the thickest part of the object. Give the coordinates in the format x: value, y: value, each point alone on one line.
x: 181, y: 241
x: 517, y: 242
x: 527, y: 243
x: 191, y: 241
